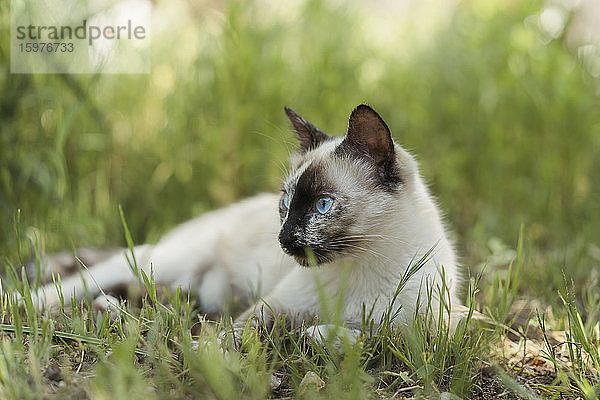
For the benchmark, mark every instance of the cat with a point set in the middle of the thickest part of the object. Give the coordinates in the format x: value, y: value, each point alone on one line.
x: 354, y: 218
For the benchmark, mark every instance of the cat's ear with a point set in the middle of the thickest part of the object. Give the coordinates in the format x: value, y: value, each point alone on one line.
x: 310, y: 136
x: 369, y: 138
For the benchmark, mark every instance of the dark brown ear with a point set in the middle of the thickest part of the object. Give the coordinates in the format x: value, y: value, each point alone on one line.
x: 369, y: 138
x: 310, y: 136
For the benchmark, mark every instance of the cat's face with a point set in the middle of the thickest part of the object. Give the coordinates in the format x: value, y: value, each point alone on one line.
x: 341, y: 190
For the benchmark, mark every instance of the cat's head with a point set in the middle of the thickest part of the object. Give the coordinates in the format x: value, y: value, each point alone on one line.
x: 341, y: 194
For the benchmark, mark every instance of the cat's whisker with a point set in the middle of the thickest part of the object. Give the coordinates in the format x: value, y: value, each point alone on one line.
x: 283, y: 168
x: 340, y: 247
x: 368, y: 238
x: 387, y: 237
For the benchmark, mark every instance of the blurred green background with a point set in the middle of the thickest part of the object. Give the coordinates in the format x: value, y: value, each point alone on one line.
x: 502, y: 115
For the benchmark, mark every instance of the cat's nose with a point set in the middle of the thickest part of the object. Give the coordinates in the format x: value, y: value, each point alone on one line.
x: 289, y: 242
x: 286, y: 239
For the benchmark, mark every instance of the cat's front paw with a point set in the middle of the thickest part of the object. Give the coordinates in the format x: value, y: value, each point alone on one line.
x: 108, y: 305
x: 335, y: 335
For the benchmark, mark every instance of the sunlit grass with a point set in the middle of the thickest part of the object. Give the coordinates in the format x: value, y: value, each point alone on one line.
x: 149, y: 351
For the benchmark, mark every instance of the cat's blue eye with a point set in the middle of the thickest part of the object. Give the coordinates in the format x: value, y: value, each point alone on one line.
x: 324, y: 204
x: 285, y: 201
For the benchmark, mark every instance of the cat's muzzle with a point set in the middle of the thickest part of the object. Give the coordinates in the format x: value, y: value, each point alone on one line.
x: 291, y: 246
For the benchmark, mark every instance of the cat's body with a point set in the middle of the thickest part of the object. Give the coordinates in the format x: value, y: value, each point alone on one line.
x: 355, y: 205
x: 226, y: 253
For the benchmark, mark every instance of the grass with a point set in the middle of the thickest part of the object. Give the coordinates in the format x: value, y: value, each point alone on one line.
x: 148, y: 350
x: 502, y: 117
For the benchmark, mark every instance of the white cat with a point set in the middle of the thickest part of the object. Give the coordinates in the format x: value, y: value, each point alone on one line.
x: 354, y: 216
